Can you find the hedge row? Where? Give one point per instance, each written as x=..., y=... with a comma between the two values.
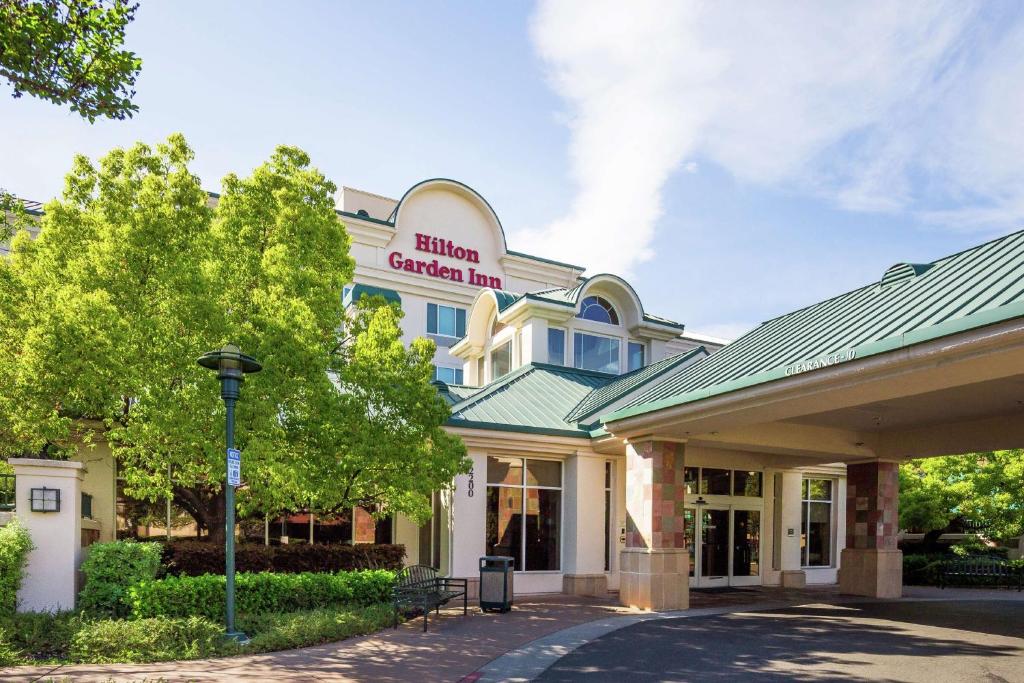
x=193, y=558
x=204, y=596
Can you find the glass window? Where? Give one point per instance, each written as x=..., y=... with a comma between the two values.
x=596, y=353
x=598, y=309
x=543, y=517
x=746, y=557
x=524, y=519
x=544, y=473
x=505, y=471
x=816, y=532
x=448, y=375
x=715, y=482
x=505, y=523
x=746, y=483
x=446, y=321
x=635, y=354
x=501, y=360
x=556, y=346
x=691, y=475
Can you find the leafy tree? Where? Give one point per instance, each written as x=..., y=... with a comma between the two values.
x=386, y=418
x=984, y=488
x=134, y=275
x=69, y=52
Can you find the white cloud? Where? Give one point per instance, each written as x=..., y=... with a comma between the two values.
x=908, y=107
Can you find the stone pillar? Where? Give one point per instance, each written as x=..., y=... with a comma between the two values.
x=51, y=577
x=583, y=561
x=871, y=564
x=655, y=566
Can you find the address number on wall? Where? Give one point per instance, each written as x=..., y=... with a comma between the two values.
x=470, y=484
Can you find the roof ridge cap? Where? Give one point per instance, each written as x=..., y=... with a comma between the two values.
x=676, y=360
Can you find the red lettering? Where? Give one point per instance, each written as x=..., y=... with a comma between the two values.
x=443, y=272
x=456, y=275
x=420, y=265
x=395, y=259
x=432, y=268
x=495, y=283
x=422, y=242
x=409, y=265
x=473, y=256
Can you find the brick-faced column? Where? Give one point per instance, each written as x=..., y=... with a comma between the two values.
x=871, y=564
x=654, y=568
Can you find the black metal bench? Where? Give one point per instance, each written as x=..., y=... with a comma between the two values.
x=420, y=587
x=985, y=570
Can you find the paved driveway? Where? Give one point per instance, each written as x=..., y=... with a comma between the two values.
x=891, y=641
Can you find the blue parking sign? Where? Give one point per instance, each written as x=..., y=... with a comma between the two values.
x=234, y=467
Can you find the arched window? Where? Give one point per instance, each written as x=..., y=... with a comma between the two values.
x=598, y=309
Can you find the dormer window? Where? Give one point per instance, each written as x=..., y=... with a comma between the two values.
x=598, y=309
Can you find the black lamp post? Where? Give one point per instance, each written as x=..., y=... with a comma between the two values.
x=231, y=366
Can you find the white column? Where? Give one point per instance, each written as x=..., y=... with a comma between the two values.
x=584, y=526
x=51, y=577
x=468, y=518
x=792, y=574
x=534, y=341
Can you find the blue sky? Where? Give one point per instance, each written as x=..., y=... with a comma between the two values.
x=733, y=161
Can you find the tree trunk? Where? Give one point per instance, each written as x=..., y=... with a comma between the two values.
x=205, y=507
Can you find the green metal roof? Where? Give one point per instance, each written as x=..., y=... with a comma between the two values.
x=912, y=303
x=505, y=299
x=626, y=384
x=454, y=393
x=534, y=398
x=358, y=291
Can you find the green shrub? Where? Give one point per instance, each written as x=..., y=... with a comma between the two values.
x=36, y=636
x=180, y=596
x=146, y=640
x=301, y=629
x=110, y=569
x=15, y=545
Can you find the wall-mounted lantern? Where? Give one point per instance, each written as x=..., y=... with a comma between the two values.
x=44, y=500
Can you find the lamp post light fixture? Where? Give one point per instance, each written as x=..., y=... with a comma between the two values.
x=231, y=365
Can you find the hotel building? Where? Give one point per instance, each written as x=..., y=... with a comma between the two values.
x=613, y=450
x=530, y=353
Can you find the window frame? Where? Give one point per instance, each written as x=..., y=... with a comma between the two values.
x=629, y=355
x=460, y=320
x=602, y=302
x=576, y=357
x=457, y=375
x=490, y=358
x=565, y=333
x=805, y=529
x=524, y=487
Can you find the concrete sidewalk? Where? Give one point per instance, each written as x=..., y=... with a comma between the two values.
x=454, y=649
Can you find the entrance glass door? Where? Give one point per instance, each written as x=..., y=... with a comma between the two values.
x=725, y=546
x=714, y=547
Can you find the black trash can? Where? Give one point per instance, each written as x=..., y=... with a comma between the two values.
x=496, y=583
